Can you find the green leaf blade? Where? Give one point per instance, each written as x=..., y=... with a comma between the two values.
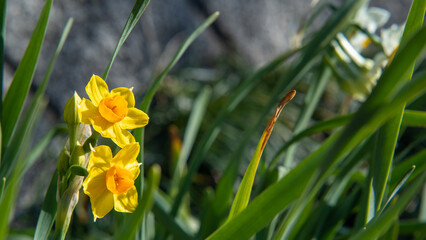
x=48, y=211
x=192, y=128
x=136, y=13
x=18, y=90
x=243, y=194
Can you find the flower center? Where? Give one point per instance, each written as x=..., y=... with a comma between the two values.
x=113, y=109
x=119, y=180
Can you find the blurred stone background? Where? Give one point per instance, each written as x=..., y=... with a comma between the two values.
x=256, y=31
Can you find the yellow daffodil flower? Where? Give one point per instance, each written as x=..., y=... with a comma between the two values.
x=110, y=182
x=111, y=113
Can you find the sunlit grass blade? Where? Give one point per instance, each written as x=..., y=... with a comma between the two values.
x=15, y=143
x=18, y=90
x=413, y=118
x=387, y=135
x=382, y=222
x=243, y=195
x=401, y=169
x=399, y=186
x=48, y=211
x=136, y=13
x=191, y=131
x=132, y=223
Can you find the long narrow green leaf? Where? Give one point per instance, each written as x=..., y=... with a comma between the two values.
x=48, y=211
x=132, y=223
x=399, y=186
x=191, y=132
x=18, y=89
x=21, y=138
x=387, y=136
x=194, y=35
x=382, y=222
x=316, y=128
x=14, y=146
x=413, y=118
x=7, y=202
x=400, y=170
x=243, y=194
x=136, y=13
x=411, y=225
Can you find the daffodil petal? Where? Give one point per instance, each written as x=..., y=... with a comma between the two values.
x=126, y=202
x=94, y=185
x=100, y=158
x=97, y=89
x=122, y=137
x=101, y=199
x=126, y=158
x=103, y=204
x=126, y=94
x=107, y=130
x=90, y=115
x=87, y=111
x=135, y=119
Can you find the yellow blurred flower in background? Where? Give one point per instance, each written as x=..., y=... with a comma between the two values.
x=111, y=113
x=110, y=183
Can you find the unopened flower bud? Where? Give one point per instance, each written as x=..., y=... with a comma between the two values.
x=71, y=113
